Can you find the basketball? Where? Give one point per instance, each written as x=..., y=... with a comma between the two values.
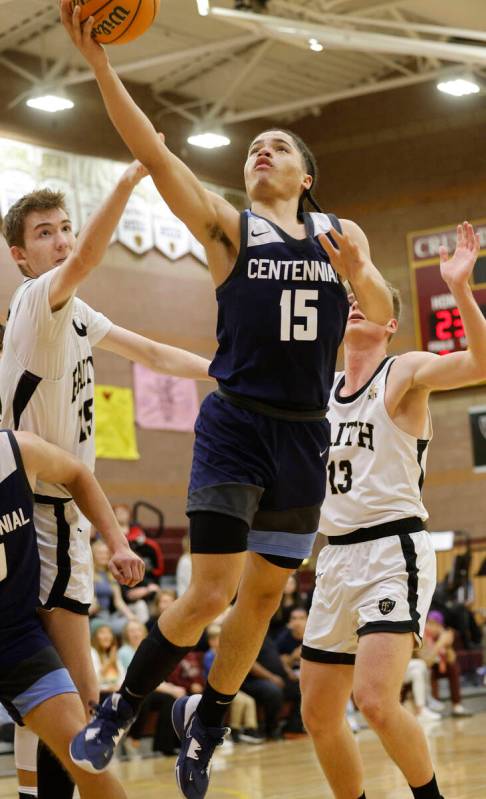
x=119, y=21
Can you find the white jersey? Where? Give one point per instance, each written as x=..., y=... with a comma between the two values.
x=375, y=470
x=46, y=371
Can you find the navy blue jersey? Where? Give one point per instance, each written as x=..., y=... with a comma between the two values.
x=282, y=313
x=19, y=557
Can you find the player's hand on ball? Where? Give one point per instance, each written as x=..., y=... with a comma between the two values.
x=347, y=259
x=457, y=269
x=126, y=567
x=81, y=35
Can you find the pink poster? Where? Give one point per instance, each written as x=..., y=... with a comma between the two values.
x=163, y=402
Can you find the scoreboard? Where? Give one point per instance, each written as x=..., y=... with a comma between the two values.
x=438, y=324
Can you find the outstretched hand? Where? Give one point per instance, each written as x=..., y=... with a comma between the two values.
x=82, y=34
x=347, y=259
x=457, y=269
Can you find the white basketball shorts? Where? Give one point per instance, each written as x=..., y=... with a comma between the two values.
x=372, y=586
x=63, y=535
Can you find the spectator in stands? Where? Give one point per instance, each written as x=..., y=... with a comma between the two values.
x=184, y=567
x=104, y=652
x=161, y=601
x=108, y=605
x=289, y=642
x=268, y=683
x=291, y=598
x=133, y=634
x=189, y=673
x=243, y=712
x=438, y=653
x=159, y=702
x=417, y=676
x=146, y=548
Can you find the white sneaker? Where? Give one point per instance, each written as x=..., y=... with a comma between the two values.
x=435, y=704
x=459, y=711
x=428, y=715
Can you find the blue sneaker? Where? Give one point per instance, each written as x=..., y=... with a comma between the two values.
x=93, y=747
x=198, y=743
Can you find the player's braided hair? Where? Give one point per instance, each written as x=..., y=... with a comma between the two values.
x=311, y=169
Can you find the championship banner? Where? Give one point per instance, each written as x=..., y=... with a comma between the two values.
x=477, y=421
x=86, y=181
x=135, y=229
x=164, y=402
x=438, y=325
x=115, y=424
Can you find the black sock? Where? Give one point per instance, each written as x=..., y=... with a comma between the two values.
x=52, y=778
x=23, y=795
x=152, y=663
x=213, y=706
x=429, y=791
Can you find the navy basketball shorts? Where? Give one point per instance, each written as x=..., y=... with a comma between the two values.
x=30, y=673
x=267, y=472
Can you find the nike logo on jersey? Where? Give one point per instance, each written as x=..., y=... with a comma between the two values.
x=255, y=235
x=81, y=329
x=323, y=452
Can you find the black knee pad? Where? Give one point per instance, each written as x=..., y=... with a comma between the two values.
x=217, y=534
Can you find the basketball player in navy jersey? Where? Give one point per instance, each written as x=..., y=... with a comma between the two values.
x=35, y=687
x=261, y=440
x=376, y=579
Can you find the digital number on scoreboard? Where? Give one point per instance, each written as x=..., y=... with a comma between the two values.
x=438, y=324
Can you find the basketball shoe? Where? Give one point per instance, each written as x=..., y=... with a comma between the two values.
x=198, y=743
x=93, y=748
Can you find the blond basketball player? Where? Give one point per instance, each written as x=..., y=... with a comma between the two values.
x=376, y=578
x=47, y=387
x=35, y=687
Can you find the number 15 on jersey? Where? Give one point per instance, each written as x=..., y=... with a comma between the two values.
x=296, y=304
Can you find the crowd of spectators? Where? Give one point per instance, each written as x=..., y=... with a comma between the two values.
x=268, y=705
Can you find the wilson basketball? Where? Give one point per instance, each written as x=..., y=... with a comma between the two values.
x=119, y=21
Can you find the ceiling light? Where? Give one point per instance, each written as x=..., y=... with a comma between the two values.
x=316, y=46
x=459, y=87
x=209, y=140
x=50, y=102
x=203, y=7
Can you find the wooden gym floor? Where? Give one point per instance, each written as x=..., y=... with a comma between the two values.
x=288, y=770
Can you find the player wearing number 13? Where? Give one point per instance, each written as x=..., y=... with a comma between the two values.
x=261, y=439
x=376, y=578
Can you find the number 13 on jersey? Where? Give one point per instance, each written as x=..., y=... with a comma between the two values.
x=295, y=304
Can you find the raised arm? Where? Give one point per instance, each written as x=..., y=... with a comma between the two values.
x=159, y=357
x=49, y=463
x=94, y=238
x=435, y=372
x=352, y=261
x=185, y=195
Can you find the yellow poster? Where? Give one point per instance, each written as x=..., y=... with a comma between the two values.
x=115, y=423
